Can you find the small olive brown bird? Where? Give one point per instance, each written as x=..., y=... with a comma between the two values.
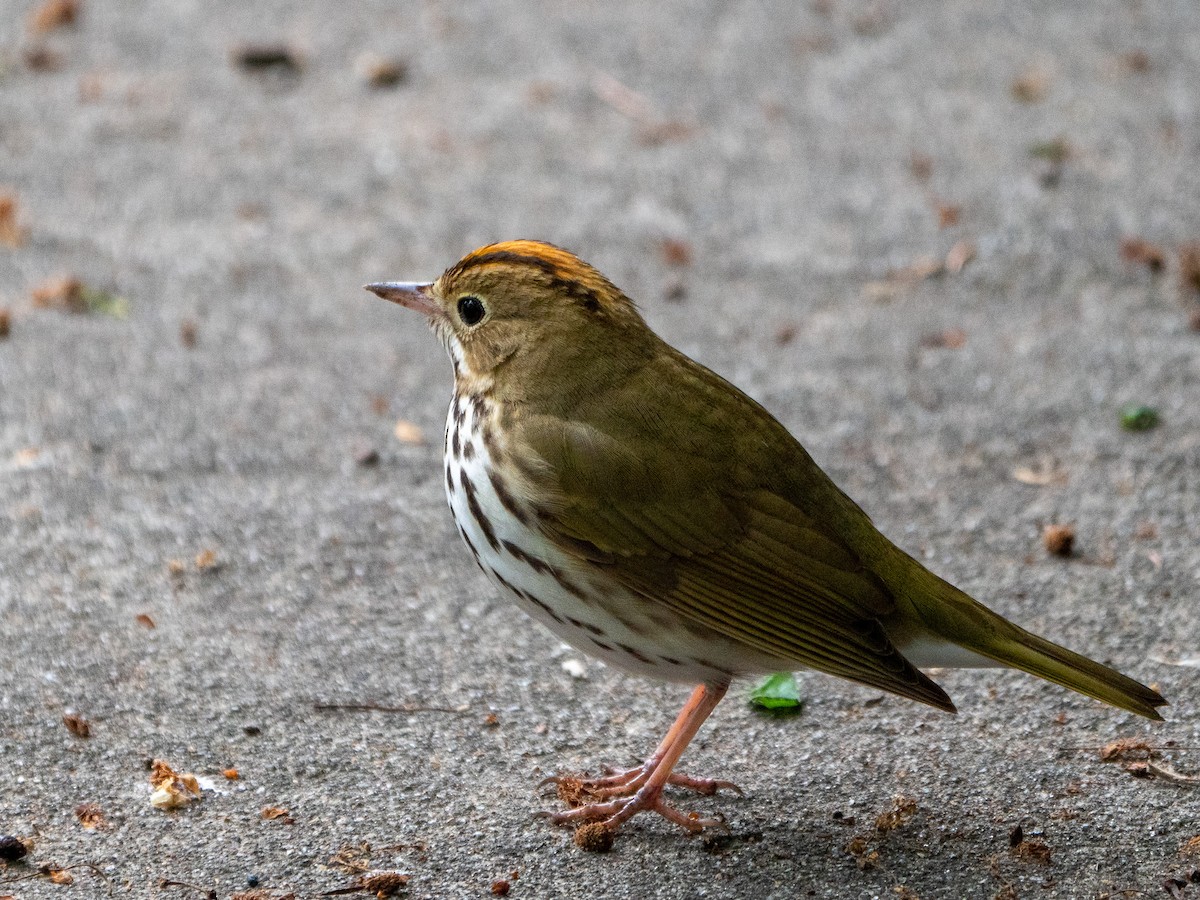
x=651, y=514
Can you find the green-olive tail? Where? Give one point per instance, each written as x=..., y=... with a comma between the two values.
x=932, y=610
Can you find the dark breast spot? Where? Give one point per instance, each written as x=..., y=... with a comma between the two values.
x=506, y=498
x=475, y=553
x=639, y=656
x=495, y=453
x=529, y=559
x=504, y=582
x=586, y=626
x=477, y=513
x=542, y=606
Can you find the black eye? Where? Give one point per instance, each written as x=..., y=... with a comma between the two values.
x=470, y=310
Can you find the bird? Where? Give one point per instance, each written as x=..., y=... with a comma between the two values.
x=651, y=514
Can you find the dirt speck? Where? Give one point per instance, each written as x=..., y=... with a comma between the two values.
x=1189, y=266
x=948, y=214
x=675, y=252
x=382, y=72
x=54, y=14
x=260, y=57
x=90, y=816
x=947, y=338
x=77, y=725
x=1031, y=86
x=1141, y=252
x=11, y=233
x=1136, y=62
x=1059, y=540
x=594, y=837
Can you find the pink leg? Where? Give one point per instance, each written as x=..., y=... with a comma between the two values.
x=639, y=790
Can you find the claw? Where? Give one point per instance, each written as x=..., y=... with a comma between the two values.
x=620, y=794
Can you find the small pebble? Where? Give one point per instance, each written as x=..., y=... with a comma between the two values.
x=12, y=848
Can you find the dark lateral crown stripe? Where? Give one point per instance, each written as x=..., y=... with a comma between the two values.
x=559, y=278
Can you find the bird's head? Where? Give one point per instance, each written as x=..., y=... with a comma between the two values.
x=518, y=305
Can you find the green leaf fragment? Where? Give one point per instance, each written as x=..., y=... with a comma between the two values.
x=1057, y=151
x=1135, y=417
x=105, y=303
x=777, y=692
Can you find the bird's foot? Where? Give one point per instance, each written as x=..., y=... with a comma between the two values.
x=576, y=791
x=605, y=802
x=646, y=798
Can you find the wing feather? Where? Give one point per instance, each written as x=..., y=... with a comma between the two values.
x=721, y=535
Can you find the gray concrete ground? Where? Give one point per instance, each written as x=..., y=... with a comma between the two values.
x=801, y=153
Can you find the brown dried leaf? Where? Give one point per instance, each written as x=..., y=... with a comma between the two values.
x=171, y=789
x=11, y=234
x=949, y=338
x=60, y=876
x=1045, y=473
x=90, y=816
x=384, y=884
x=901, y=280
x=1140, y=252
x=903, y=809
x=270, y=813
x=61, y=292
x=54, y=14
x=1126, y=749
x=352, y=860
x=5, y=322
x=675, y=252
x=206, y=561
x=948, y=215
x=77, y=725
x=1032, y=851
x=1189, y=266
x=145, y=621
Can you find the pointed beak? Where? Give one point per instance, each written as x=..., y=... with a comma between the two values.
x=416, y=295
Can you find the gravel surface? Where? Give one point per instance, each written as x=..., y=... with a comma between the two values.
x=209, y=529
